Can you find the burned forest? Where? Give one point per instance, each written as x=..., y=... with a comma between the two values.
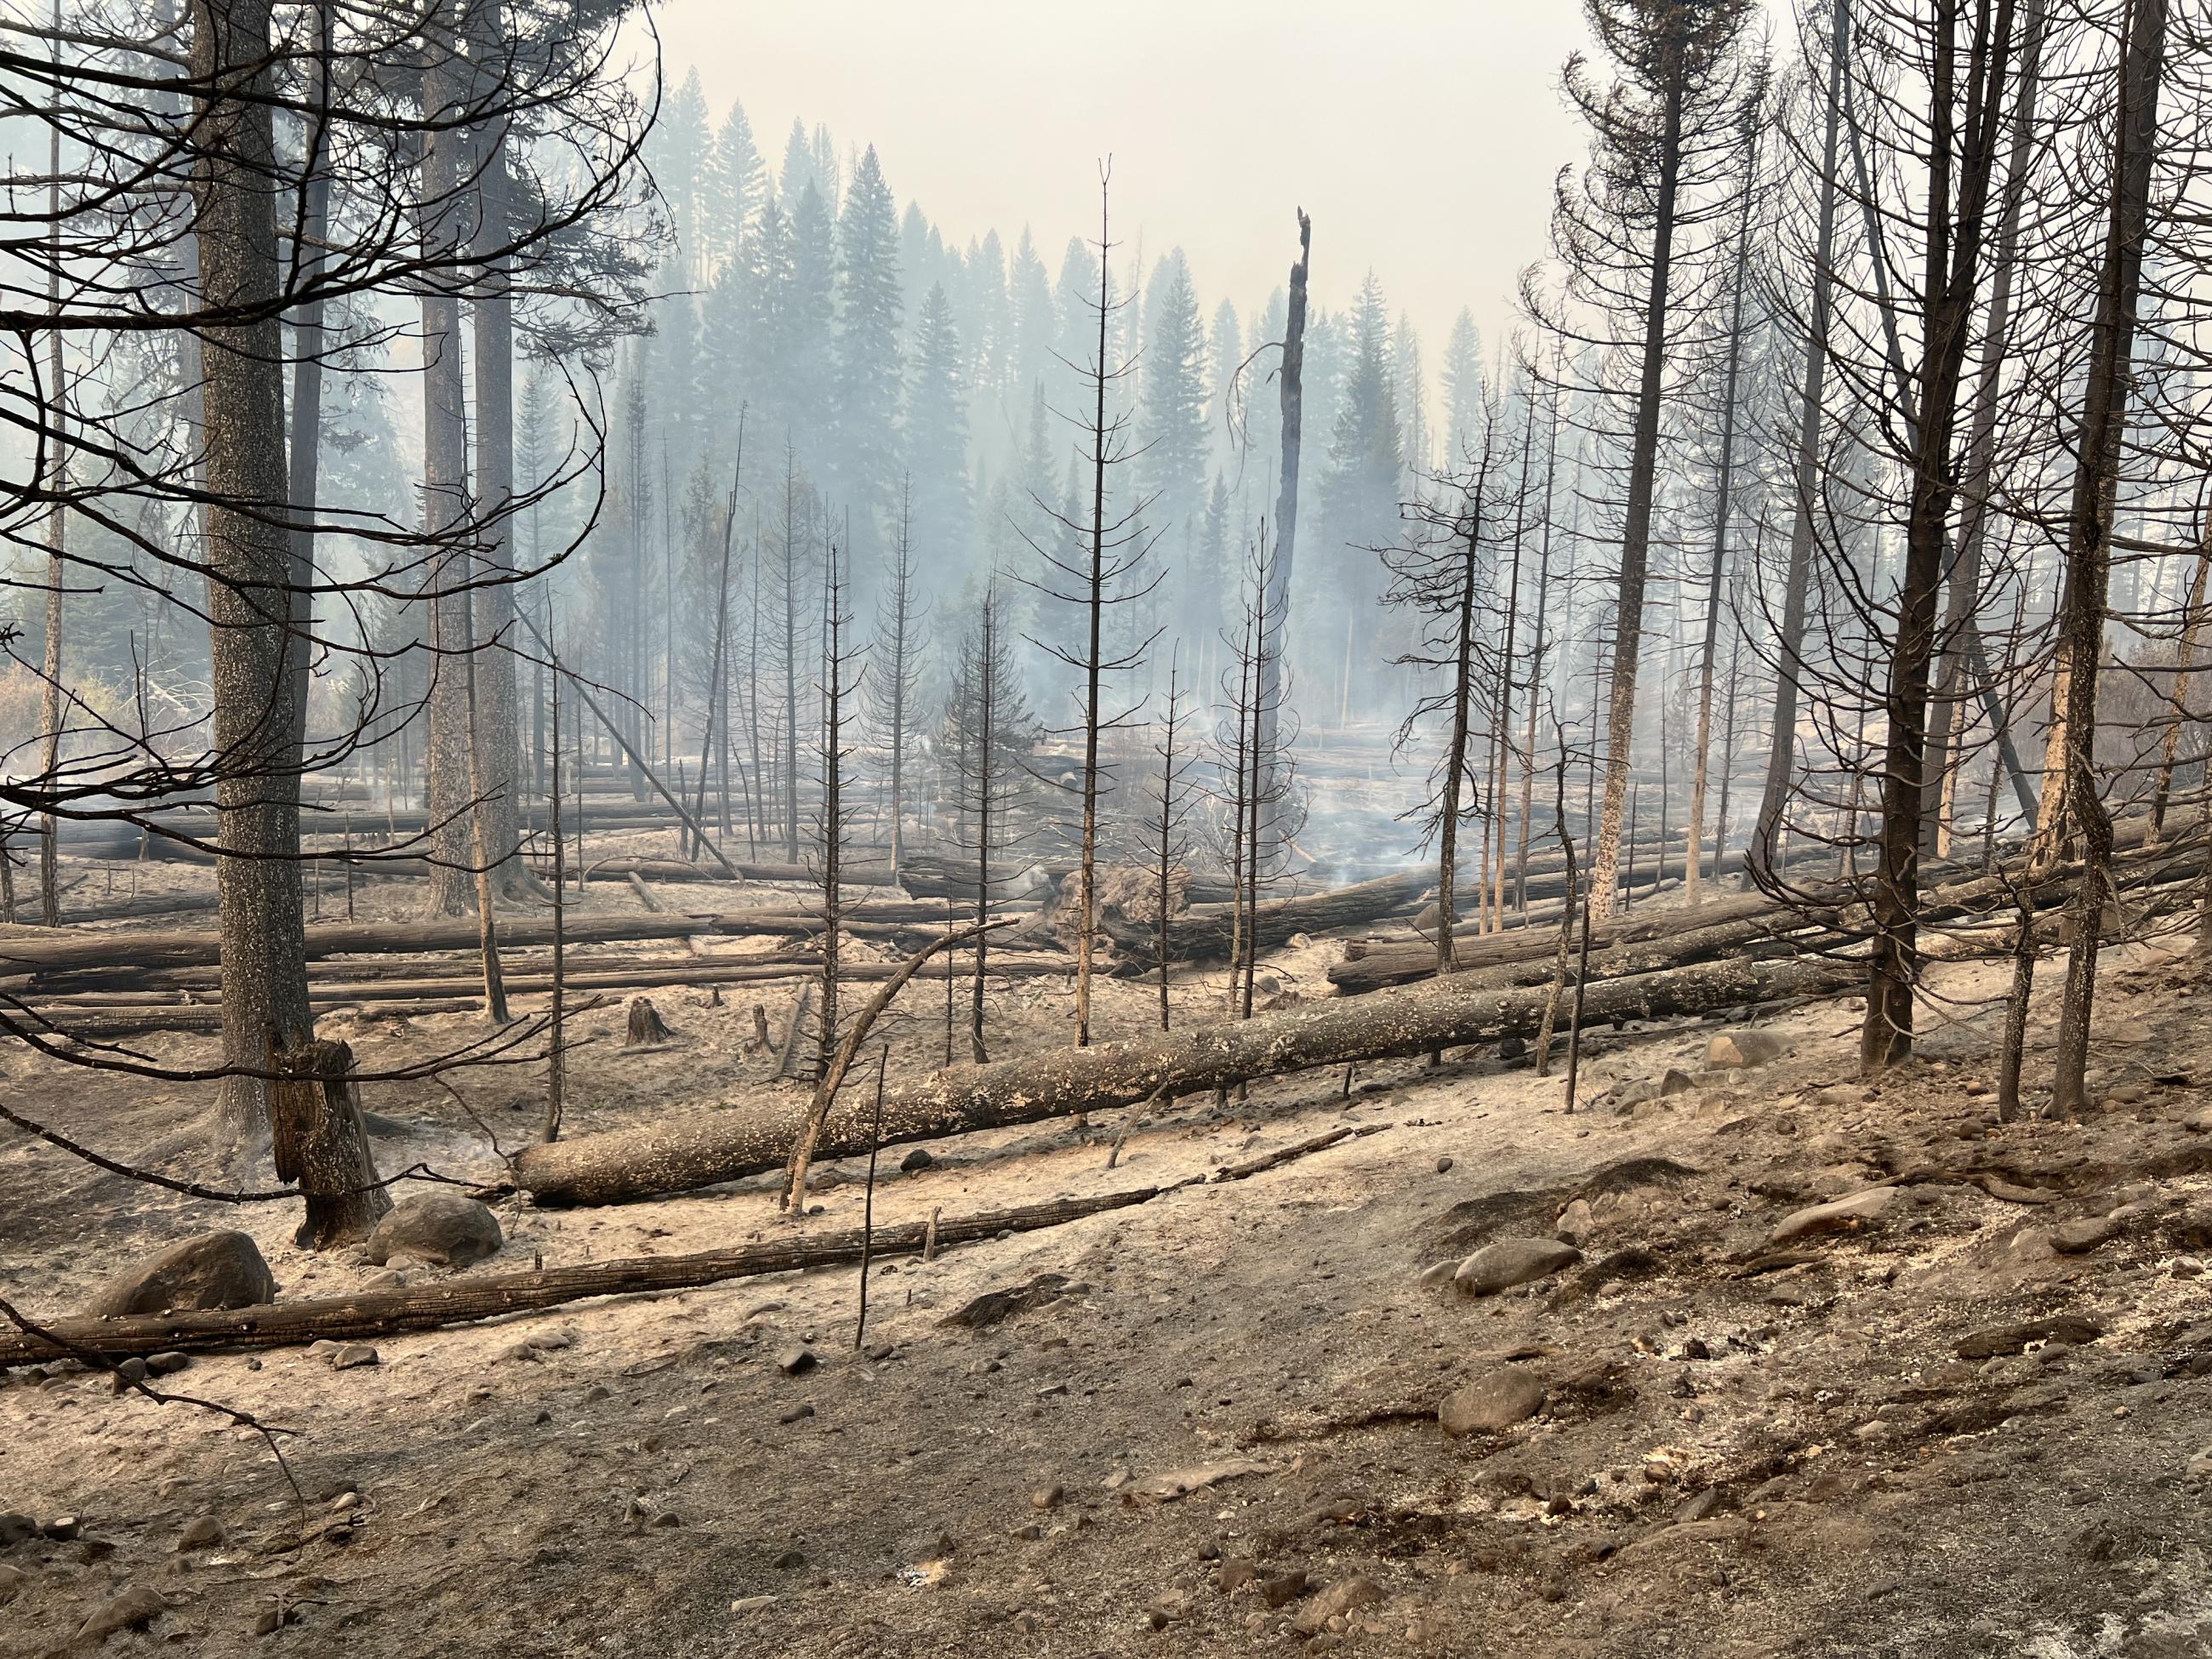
x=1393, y=834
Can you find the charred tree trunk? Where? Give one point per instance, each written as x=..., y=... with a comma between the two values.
x=707, y=1147
x=249, y=556
x=1782, y=752
x=2088, y=554
x=322, y=1147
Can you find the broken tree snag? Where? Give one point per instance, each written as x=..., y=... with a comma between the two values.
x=646, y=1029
x=785, y=1054
x=833, y=1075
x=322, y=1147
x=1200, y=936
x=487, y=1295
x=703, y=1148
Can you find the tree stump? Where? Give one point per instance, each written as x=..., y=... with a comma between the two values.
x=646, y=1028
x=322, y=1147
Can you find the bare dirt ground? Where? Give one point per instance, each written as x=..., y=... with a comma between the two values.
x=1847, y=1447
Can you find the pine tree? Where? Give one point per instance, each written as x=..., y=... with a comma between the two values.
x=734, y=189
x=679, y=153
x=808, y=331
x=1360, y=494
x=798, y=171
x=1172, y=429
x=1033, y=319
x=937, y=439
x=1462, y=382
x=1225, y=352
x=869, y=307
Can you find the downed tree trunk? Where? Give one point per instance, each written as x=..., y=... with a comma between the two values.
x=1201, y=937
x=703, y=1148
x=96, y=954
x=384, y=1313
x=1373, y=965
x=487, y=1296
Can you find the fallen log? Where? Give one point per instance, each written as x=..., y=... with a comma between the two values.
x=1206, y=936
x=699, y=1149
x=1681, y=936
x=45, y=955
x=466, y=1301
x=487, y=1296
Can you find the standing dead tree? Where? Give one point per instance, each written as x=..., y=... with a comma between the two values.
x=2134, y=146
x=991, y=736
x=1665, y=138
x=1107, y=574
x=897, y=679
x=840, y=682
x=1444, y=574
x=1166, y=838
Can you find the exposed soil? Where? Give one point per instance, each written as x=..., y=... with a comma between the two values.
x=1741, y=1451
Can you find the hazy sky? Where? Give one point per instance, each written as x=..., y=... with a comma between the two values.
x=1421, y=134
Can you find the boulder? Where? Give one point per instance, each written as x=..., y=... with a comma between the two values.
x=1833, y=1217
x=1495, y=1401
x=1510, y=1261
x=132, y=1608
x=443, y=1228
x=1734, y=1050
x=221, y=1269
x=2079, y=1237
x=1337, y=1600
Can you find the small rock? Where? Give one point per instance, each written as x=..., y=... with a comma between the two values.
x=167, y=1364
x=2079, y=1237
x=1510, y=1261
x=1493, y=1401
x=1046, y=1497
x=1699, y=1506
x=1511, y=1049
x=1283, y=1588
x=223, y=1269
x=13, y=1581
x=444, y=1228
x=1335, y=1601
x=1734, y=1050
x=15, y=1528
x=1676, y=1082
x=128, y=1371
x=1234, y=1574
x=789, y=1561
x=267, y=1622
x=63, y=1528
x=133, y=1608
x=1833, y=1216
x=796, y=1414
x=353, y=1356
x=1443, y=1166
x=1436, y=1273
x=390, y=1279
x=203, y=1534
x=919, y=1158
x=796, y=1360
x=746, y=1604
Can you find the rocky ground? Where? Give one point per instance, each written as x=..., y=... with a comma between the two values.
x=1964, y=1413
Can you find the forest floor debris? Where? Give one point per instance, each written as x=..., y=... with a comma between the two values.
x=1955, y=1424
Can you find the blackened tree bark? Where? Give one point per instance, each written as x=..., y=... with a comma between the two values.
x=1782, y=753
x=249, y=557
x=1966, y=104
x=445, y=479
x=498, y=730
x=2089, y=521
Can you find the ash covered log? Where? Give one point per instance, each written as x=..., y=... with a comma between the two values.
x=703, y=1148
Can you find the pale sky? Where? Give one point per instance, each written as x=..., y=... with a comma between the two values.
x=1421, y=134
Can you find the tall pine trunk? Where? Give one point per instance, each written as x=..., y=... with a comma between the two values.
x=2089, y=523
x=249, y=556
